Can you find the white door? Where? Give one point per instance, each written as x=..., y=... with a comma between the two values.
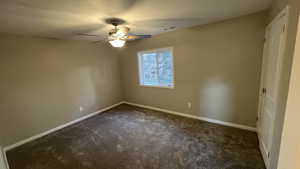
x=271, y=75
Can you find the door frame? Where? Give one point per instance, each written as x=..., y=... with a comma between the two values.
x=289, y=152
x=282, y=15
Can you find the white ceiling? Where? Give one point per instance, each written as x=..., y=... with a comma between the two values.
x=64, y=19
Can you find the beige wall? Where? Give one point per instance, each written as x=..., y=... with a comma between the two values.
x=217, y=69
x=43, y=83
x=277, y=6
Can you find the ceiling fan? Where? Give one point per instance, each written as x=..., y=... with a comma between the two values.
x=118, y=36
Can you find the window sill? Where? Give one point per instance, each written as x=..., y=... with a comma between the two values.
x=156, y=86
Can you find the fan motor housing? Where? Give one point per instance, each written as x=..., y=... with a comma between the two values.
x=115, y=21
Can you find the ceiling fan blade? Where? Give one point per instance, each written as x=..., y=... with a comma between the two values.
x=85, y=34
x=131, y=37
x=167, y=22
x=99, y=41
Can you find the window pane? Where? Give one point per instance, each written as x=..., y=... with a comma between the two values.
x=149, y=69
x=156, y=68
x=165, y=71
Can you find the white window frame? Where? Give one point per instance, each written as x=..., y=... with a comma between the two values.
x=139, y=55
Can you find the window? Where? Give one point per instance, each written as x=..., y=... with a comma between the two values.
x=156, y=68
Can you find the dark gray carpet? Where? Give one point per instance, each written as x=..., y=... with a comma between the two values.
x=128, y=137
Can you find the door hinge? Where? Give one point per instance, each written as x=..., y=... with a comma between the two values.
x=283, y=29
x=264, y=90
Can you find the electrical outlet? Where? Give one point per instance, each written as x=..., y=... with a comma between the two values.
x=189, y=104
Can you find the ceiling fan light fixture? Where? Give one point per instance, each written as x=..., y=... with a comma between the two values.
x=117, y=43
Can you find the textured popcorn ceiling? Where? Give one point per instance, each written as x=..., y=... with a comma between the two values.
x=64, y=19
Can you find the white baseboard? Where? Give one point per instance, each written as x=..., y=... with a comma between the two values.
x=195, y=117
x=7, y=148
